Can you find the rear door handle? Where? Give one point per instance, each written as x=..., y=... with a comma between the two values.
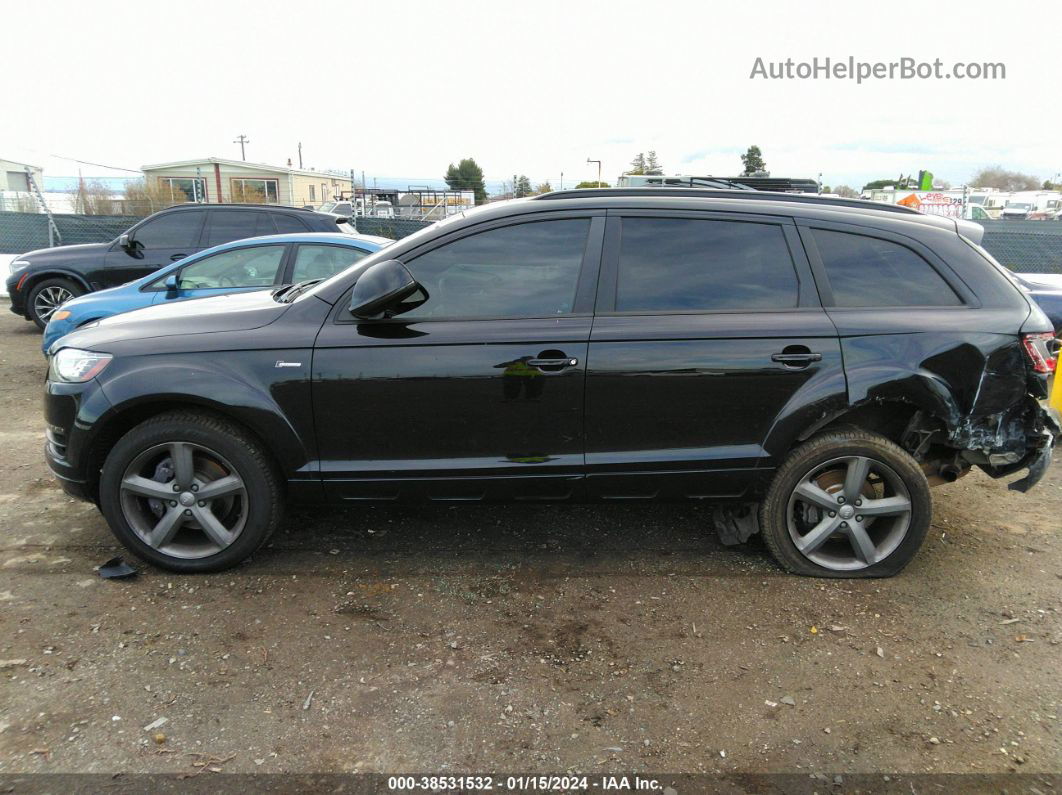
x=176, y=257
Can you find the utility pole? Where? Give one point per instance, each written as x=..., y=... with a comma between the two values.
x=588, y=160
x=241, y=140
x=562, y=181
x=300, y=154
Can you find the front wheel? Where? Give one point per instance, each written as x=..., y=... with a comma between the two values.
x=846, y=504
x=190, y=492
x=48, y=296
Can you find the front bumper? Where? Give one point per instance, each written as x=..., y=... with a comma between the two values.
x=18, y=298
x=72, y=413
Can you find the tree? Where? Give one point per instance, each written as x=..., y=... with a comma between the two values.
x=753, y=162
x=593, y=184
x=467, y=175
x=846, y=192
x=999, y=178
x=543, y=187
x=522, y=186
x=1049, y=185
x=144, y=197
x=638, y=164
x=652, y=165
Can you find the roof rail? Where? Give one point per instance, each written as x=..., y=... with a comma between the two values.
x=711, y=193
x=255, y=205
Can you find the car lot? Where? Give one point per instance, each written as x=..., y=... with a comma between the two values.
x=523, y=638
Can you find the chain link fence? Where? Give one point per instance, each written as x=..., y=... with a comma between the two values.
x=394, y=228
x=21, y=232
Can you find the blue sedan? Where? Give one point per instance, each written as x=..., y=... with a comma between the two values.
x=253, y=264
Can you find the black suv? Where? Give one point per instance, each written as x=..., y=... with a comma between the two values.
x=810, y=366
x=42, y=280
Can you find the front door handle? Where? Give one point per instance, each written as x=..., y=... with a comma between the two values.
x=553, y=362
x=796, y=359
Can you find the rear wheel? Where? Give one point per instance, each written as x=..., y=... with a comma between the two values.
x=846, y=504
x=190, y=492
x=48, y=296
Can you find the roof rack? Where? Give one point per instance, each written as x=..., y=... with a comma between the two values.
x=710, y=193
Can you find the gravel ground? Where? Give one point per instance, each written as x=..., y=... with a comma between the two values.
x=528, y=638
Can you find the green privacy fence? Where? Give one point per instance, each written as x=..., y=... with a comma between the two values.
x=1023, y=246
x=21, y=232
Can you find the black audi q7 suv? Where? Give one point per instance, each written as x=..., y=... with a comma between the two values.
x=41, y=281
x=810, y=366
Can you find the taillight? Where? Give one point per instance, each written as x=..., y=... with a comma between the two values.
x=1042, y=350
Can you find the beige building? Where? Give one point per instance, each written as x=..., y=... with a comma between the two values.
x=226, y=181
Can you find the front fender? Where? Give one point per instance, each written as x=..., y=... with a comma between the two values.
x=245, y=386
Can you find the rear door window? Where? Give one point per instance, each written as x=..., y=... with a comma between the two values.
x=224, y=226
x=287, y=224
x=869, y=271
x=698, y=265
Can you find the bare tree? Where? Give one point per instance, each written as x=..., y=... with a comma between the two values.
x=999, y=178
x=93, y=198
x=846, y=192
x=144, y=197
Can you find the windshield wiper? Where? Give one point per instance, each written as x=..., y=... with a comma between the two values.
x=285, y=295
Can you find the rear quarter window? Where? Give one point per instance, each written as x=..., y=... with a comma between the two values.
x=869, y=271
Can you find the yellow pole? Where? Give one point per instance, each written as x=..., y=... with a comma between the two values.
x=1056, y=392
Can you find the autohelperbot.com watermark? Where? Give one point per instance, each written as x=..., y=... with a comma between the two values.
x=851, y=68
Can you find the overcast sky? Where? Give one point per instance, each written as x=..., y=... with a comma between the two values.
x=400, y=89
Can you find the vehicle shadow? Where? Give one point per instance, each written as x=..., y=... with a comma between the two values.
x=577, y=540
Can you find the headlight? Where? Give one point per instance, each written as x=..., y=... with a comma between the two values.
x=19, y=265
x=76, y=366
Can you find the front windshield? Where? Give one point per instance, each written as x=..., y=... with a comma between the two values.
x=1019, y=206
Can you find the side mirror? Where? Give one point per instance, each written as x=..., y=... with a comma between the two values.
x=124, y=241
x=171, y=284
x=381, y=287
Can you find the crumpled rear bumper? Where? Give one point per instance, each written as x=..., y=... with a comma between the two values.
x=1044, y=438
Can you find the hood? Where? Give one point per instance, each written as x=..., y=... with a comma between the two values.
x=231, y=312
x=66, y=253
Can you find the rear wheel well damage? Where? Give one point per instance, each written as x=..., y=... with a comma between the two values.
x=123, y=422
x=1002, y=443
x=1019, y=437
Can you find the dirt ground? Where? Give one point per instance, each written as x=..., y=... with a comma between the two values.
x=531, y=639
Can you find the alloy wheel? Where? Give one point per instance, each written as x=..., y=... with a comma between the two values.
x=184, y=500
x=49, y=299
x=849, y=513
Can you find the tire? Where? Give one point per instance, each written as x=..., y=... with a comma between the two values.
x=52, y=293
x=795, y=516
x=156, y=509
